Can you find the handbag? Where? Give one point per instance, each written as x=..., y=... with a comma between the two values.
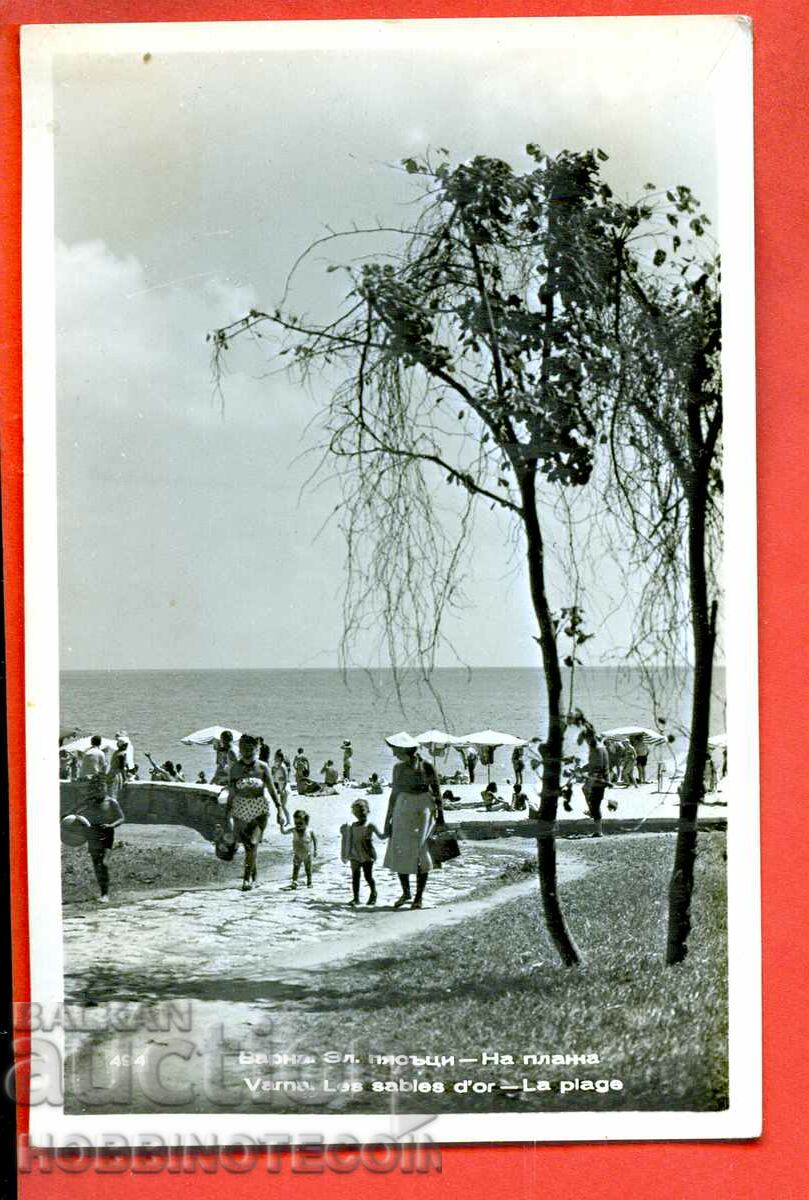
x=442, y=844
x=225, y=842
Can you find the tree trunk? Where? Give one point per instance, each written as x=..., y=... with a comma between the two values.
x=552, y=759
x=703, y=629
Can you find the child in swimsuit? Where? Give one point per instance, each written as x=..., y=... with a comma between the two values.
x=304, y=846
x=360, y=852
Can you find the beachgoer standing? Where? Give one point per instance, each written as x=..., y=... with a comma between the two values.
x=628, y=761
x=471, y=763
x=615, y=757
x=413, y=808
x=66, y=764
x=119, y=766
x=518, y=763
x=104, y=814
x=93, y=769
x=263, y=751
x=225, y=757
x=300, y=765
x=304, y=846
x=250, y=783
x=347, y=756
x=710, y=780
x=361, y=852
x=641, y=745
x=598, y=766
x=280, y=775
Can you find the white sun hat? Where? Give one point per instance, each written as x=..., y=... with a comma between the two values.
x=402, y=741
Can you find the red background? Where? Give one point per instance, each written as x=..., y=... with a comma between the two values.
x=778, y=1163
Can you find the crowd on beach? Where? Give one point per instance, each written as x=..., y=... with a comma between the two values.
x=253, y=787
x=254, y=782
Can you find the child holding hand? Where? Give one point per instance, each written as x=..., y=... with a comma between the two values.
x=304, y=846
x=358, y=850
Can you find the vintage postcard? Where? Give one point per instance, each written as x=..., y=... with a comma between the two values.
x=390, y=582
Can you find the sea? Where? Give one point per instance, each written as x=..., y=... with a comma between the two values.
x=316, y=709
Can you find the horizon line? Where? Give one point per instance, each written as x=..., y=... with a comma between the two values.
x=366, y=670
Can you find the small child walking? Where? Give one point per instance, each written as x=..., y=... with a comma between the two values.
x=358, y=850
x=304, y=845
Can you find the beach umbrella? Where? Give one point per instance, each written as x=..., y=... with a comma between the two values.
x=82, y=745
x=209, y=735
x=628, y=731
x=492, y=739
x=437, y=738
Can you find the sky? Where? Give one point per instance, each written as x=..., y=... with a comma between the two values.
x=188, y=180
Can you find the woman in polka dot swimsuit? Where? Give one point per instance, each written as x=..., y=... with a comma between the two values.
x=249, y=783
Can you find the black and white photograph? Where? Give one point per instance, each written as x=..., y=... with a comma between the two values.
x=390, y=578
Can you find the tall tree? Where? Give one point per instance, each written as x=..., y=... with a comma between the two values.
x=466, y=348
x=665, y=449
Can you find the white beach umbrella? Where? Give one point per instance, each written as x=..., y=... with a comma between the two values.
x=437, y=737
x=209, y=735
x=491, y=739
x=625, y=731
x=82, y=745
x=437, y=740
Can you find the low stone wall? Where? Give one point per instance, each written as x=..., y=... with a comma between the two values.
x=145, y=803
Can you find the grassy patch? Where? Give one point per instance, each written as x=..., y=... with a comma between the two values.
x=492, y=983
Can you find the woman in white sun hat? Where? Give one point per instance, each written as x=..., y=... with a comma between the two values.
x=413, y=808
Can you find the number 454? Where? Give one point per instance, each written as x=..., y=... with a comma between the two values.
x=128, y=1060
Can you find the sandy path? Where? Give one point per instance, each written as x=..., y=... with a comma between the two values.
x=173, y=943
x=238, y=999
